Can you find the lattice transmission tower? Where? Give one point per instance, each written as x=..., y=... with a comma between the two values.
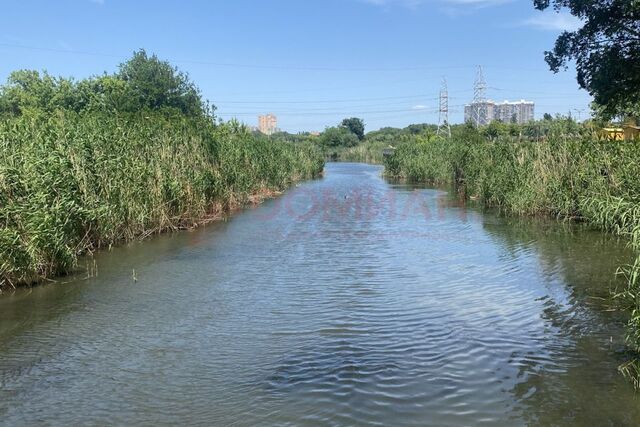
x=479, y=104
x=443, y=119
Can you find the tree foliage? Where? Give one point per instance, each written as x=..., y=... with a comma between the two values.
x=339, y=137
x=144, y=83
x=354, y=125
x=27, y=90
x=606, y=50
x=394, y=136
x=155, y=84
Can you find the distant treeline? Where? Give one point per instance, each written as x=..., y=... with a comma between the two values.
x=341, y=144
x=92, y=163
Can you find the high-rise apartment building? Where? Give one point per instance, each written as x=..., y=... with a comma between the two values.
x=514, y=112
x=480, y=113
x=268, y=124
x=517, y=112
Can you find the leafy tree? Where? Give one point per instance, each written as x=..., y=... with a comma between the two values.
x=394, y=136
x=106, y=93
x=606, y=50
x=155, y=84
x=354, y=125
x=420, y=129
x=495, y=129
x=339, y=137
x=143, y=83
x=26, y=90
x=299, y=138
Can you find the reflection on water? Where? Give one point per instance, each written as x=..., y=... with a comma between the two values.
x=348, y=301
x=579, y=385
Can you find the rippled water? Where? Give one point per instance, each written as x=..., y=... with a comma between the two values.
x=348, y=301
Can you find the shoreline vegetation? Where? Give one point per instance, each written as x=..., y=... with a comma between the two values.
x=88, y=164
x=84, y=166
x=347, y=142
x=570, y=173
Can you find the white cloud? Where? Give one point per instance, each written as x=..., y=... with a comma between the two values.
x=553, y=21
x=419, y=107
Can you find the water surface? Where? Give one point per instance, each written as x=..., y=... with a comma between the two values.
x=348, y=301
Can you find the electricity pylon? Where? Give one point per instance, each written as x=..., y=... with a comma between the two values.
x=443, y=119
x=479, y=104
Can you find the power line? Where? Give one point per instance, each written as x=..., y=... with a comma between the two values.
x=530, y=91
x=242, y=65
x=553, y=95
x=326, y=101
x=266, y=66
x=425, y=97
x=311, y=113
x=333, y=113
x=332, y=108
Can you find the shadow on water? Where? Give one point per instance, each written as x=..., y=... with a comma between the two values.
x=577, y=383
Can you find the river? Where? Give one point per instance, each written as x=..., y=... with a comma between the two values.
x=349, y=300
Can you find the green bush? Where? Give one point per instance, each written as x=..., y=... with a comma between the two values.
x=339, y=137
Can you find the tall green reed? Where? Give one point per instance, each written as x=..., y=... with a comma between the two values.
x=71, y=184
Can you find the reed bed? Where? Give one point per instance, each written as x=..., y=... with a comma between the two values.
x=365, y=152
x=74, y=183
x=579, y=178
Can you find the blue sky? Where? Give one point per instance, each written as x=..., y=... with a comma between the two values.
x=311, y=62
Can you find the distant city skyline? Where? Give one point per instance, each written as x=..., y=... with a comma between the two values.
x=383, y=60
